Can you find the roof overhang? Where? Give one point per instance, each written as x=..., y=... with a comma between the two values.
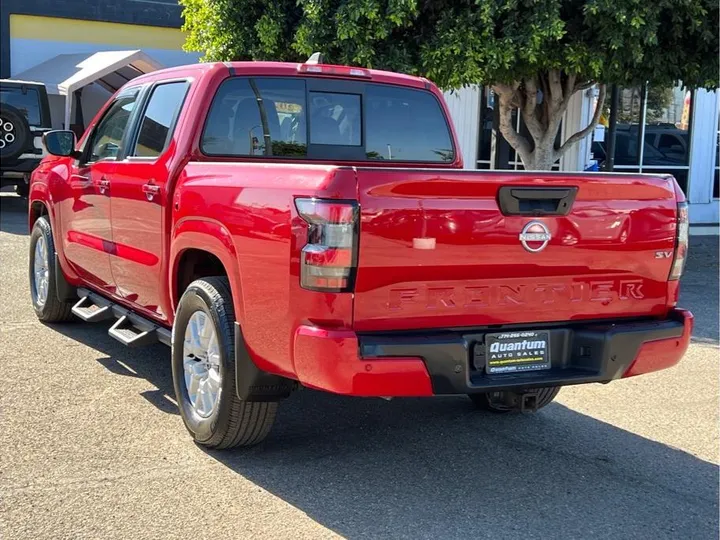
x=66, y=73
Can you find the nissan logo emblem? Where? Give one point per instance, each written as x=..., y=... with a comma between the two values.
x=535, y=236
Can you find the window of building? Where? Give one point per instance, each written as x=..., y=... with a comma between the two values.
x=160, y=115
x=653, y=131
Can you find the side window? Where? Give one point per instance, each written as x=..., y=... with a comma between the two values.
x=159, y=118
x=670, y=143
x=26, y=100
x=106, y=139
x=257, y=117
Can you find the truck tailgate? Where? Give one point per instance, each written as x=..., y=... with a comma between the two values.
x=436, y=250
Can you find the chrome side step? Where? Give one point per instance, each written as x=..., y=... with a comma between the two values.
x=91, y=310
x=127, y=332
x=130, y=329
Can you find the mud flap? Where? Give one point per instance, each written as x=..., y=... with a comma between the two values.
x=64, y=291
x=253, y=384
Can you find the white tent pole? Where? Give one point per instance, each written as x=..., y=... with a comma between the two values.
x=69, y=98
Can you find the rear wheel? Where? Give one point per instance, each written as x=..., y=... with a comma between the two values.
x=43, y=291
x=203, y=367
x=505, y=402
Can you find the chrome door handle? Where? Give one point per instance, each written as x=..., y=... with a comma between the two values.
x=103, y=185
x=150, y=190
x=79, y=181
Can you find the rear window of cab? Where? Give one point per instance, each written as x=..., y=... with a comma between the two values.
x=287, y=118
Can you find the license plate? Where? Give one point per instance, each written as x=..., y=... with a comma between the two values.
x=512, y=352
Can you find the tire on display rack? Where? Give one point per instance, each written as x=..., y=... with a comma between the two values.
x=15, y=133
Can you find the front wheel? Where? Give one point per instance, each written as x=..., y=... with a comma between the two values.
x=505, y=402
x=203, y=368
x=43, y=287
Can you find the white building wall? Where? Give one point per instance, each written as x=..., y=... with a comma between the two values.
x=577, y=116
x=703, y=153
x=464, y=111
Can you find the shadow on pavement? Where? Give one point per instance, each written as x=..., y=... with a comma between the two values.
x=439, y=469
x=149, y=363
x=436, y=468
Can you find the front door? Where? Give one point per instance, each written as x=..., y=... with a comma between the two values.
x=87, y=234
x=140, y=203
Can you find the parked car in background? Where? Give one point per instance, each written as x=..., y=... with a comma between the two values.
x=24, y=118
x=284, y=225
x=665, y=145
x=672, y=142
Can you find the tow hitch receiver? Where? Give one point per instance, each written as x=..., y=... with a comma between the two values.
x=528, y=401
x=524, y=401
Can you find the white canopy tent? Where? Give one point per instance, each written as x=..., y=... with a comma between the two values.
x=64, y=74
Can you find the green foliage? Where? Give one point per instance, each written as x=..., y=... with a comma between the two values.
x=456, y=43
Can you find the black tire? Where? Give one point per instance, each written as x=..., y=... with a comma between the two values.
x=497, y=402
x=20, y=132
x=233, y=422
x=52, y=310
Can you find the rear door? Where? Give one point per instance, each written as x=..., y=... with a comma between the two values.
x=443, y=249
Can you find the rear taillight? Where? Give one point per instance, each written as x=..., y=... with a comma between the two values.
x=329, y=259
x=681, y=243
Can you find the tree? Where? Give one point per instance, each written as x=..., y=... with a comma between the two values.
x=534, y=53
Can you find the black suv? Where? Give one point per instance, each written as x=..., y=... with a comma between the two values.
x=24, y=117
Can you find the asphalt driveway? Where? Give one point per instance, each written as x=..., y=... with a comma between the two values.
x=93, y=447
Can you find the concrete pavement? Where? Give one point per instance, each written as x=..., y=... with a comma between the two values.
x=93, y=447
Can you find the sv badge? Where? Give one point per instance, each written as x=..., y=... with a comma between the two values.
x=663, y=254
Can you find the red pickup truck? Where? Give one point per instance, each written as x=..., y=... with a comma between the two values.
x=283, y=225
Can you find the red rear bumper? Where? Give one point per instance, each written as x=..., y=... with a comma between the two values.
x=329, y=360
x=661, y=354
x=426, y=364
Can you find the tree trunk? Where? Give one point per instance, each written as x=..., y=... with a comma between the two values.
x=542, y=157
x=542, y=101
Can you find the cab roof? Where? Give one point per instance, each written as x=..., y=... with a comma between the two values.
x=286, y=69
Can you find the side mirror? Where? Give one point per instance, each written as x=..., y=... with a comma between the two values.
x=60, y=143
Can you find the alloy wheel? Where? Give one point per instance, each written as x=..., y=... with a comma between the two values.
x=201, y=363
x=41, y=272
